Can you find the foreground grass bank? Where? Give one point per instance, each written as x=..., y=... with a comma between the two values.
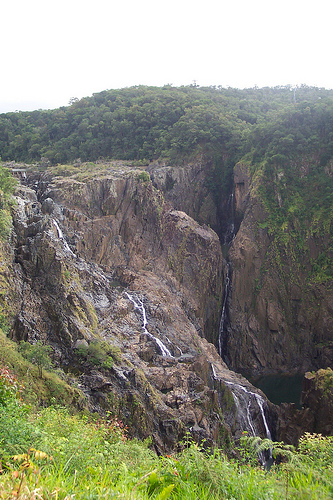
x=52, y=454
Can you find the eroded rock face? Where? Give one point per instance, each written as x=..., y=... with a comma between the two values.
x=103, y=258
x=279, y=321
x=317, y=397
x=316, y=415
x=186, y=188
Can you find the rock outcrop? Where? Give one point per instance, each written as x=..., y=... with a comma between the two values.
x=317, y=397
x=126, y=290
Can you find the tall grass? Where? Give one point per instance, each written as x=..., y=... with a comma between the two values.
x=94, y=459
x=53, y=454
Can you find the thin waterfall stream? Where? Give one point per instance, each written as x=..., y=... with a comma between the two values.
x=139, y=305
x=226, y=240
x=222, y=334
x=61, y=237
x=229, y=234
x=245, y=400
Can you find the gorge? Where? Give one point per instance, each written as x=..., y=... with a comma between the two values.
x=105, y=255
x=163, y=284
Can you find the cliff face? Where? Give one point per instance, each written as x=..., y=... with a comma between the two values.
x=125, y=288
x=317, y=398
x=186, y=189
x=280, y=319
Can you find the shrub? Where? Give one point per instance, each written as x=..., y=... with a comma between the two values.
x=9, y=386
x=144, y=176
x=38, y=354
x=99, y=353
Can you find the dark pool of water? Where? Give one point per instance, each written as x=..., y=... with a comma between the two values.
x=281, y=388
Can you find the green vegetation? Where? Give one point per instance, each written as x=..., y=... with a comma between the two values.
x=291, y=161
x=38, y=354
x=53, y=454
x=52, y=388
x=49, y=452
x=7, y=185
x=99, y=353
x=144, y=176
x=144, y=123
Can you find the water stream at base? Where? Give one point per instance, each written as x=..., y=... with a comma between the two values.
x=139, y=305
x=245, y=400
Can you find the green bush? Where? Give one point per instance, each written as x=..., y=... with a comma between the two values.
x=9, y=386
x=38, y=354
x=99, y=353
x=144, y=176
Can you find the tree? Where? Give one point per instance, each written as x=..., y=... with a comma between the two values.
x=38, y=354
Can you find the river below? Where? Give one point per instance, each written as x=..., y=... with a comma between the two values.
x=280, y=388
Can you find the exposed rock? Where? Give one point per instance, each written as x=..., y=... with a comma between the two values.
x=108, y=260
x=317, y=397
x=292, y=423
x=279, y=321
x=186, y=188
x=48, y=206
x=242, y=182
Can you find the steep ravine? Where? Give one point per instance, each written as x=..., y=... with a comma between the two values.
x=101, y=256
x=273, y=320
x=280, y=320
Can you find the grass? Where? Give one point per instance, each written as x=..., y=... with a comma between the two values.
x=51, y=453
x=48, y=389
x=87, y=459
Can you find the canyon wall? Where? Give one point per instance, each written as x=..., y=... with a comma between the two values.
x=126, y=289
x=281, y=321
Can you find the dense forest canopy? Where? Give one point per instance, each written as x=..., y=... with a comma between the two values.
x=274, y=125
x=144, y=123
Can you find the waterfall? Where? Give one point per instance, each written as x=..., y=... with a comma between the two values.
x=213, y=371
x=139, y=305
x=244, y=400
x=260, y=402
x=230, y=230
x=61, y=237
x=248, y=398
x=222, y=335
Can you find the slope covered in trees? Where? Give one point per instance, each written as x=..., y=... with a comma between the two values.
x=147, y=122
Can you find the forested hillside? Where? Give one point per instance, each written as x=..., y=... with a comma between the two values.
x=146, y=123
x=149, y=122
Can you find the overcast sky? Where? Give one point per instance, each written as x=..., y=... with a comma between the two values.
x=53, y=51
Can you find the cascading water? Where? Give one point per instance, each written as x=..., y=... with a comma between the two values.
x=222, y=335
x=139, y=305
x=246, y=400
x=226, y=240
x=61, y=237
x=229, y=234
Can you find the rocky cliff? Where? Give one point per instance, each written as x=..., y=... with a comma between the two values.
x=280, y=316
x=317, y=398
x=126, y=289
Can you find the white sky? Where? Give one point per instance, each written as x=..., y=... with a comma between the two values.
x=52, y=51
